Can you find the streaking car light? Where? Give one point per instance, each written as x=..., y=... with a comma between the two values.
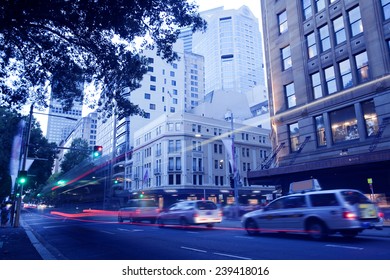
x=349, y=215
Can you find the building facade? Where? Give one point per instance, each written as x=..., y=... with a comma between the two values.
x=328, y=65
x=183, y=156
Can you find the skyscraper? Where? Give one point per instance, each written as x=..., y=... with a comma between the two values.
x=232, y=50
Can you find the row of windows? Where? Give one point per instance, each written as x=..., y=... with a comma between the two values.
x=343, y=125
x=332, y=79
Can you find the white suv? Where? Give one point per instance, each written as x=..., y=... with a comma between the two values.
x=317, y=213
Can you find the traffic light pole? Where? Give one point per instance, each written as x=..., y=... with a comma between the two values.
x=25, y=150
x=235, y=183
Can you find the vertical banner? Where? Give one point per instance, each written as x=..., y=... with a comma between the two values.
x=16, y=154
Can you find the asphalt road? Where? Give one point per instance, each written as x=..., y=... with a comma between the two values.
x=94, y=239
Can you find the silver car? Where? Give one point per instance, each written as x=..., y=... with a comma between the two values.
x=139, y=210
x=191, y=212
x=317, y=213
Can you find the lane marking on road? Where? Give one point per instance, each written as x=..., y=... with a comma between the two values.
x=193, y=249
x=344, y=247
x=47, y=227
x=108, y=232
x=243, y=237
x=194, y=232
x=232, y=256
x=131, y=230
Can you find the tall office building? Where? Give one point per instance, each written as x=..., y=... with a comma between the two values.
x=232, y=49
x=328, y=65
x=60, y=123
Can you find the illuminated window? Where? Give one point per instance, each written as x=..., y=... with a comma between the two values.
x=320, y=131
x=370, y=117
x=362, y=67
x=294, y=136
x=311, y=45
x=344, y=125
x=355, y=21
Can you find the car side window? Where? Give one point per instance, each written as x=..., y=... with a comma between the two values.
x=326, y=199
x=276, y=204
x=294, y=202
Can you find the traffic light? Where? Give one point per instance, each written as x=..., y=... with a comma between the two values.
x=141, y=195
x=97, y=151
x=22, y=177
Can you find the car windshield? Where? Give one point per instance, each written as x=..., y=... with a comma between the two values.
x=353, y=197
x=206, y=205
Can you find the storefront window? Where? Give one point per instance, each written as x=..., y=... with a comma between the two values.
x=344, y=125
x=294, y=136
x=370, y=117
x=320, y=129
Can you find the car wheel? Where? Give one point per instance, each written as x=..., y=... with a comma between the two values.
x=251, y=227
x=120, y=219
x=210, y=225
x=317, y=230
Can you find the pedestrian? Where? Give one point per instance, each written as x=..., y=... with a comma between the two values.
x=4, y=215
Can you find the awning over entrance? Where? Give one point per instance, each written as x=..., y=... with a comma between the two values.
x=348, y=171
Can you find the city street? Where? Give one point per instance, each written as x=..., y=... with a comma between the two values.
x=92, y=238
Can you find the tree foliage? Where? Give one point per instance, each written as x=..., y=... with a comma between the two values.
x=39, y=148
x=58, y=45
x=79, y=152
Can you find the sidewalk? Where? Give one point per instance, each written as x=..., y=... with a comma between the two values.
x=21, y=244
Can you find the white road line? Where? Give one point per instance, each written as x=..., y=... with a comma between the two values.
x=243, y=237
x=232, y=256
x=108, y=232
x=130, y=230
x=344, y=247
x=194, y=232
x=47, y=227
x=193, y=249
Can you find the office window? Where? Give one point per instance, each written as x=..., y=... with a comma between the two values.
x=152, y=106
x=320, y=5
x=289, y=92
x=172, y=73
x=282, y=20
x=294, y=136
x=324, y=37
x=147, y=96
x=286, y=57
x=307, y=12
x=178, y=163
x=311, y=45
x=386, y=9
x=344, y=125
x=316, y=85
x=152, y=87
x=346, y=75
x=320, y=131
x=330, y=80
x=170, y=146
x=370, y=117
x=339, y=30
x=153, y=78
x=362, y=67
x=355, y=21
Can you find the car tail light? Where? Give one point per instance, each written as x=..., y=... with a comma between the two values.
x=158, y=211
x=381, y=215
x=220, y=214
x=138, y=211
x=349, y=215
x=195, y=215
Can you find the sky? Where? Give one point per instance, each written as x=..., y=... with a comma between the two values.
x=254, y=6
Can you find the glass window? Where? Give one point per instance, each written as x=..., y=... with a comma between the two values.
x=386, y=9
x=355, y=21
x=316, y=84
x=178, y=163
x=344, y=125
x=325, y=199
x=282, y=20
x=290, y=95
x=370, y=117
x=286, y=57
x=320, y=5
x=294, y=136
x=307, y=12
x=320, y=131
x=339, y=30
x=324, y=37
x=170, y=163
x=170, y=146
x=311, y=45
x=362, y=66
x=345, y=72
x=330, y=80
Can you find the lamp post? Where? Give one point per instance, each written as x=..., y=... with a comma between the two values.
x=234, y=168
